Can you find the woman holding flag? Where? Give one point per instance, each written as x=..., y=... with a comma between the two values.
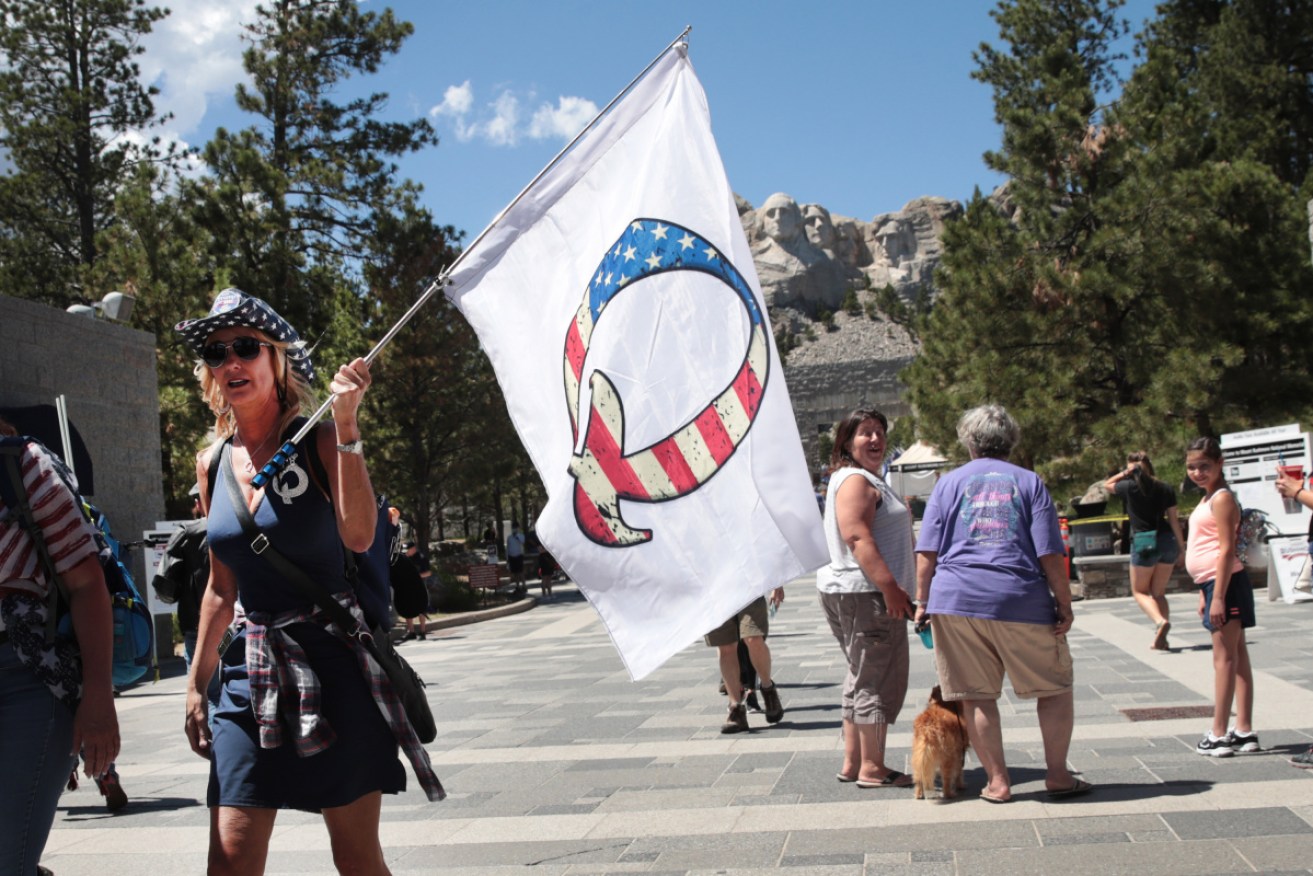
x=306, y=719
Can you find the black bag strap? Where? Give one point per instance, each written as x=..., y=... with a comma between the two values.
x=212, y=472
x=23, y=509
x=262, y=547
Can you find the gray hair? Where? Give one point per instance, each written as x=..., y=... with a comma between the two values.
x=988, y=430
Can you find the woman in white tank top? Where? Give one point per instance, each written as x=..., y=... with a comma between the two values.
x=866, y=594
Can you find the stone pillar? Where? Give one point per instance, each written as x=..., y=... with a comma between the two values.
x=107, y=373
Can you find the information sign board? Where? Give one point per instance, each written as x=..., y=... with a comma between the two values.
x=1251, y=460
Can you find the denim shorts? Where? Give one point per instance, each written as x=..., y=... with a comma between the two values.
x=1165, y=552
x=1239, y=600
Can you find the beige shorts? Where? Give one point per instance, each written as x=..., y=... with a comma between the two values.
x=972, y=654
x=752, y=621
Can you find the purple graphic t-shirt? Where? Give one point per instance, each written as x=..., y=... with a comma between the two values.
x=990, y=521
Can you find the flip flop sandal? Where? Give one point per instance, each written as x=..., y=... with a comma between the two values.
x=894, y=779
x=1080, y=787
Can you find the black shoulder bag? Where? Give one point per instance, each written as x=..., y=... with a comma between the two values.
x=406, y=683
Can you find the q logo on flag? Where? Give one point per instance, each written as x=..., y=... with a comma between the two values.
x=604, y=472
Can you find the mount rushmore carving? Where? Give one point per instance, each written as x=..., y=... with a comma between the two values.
x=808, y=259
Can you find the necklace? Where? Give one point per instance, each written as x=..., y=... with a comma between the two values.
x=251, y=453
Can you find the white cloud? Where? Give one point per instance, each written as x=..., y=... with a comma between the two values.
x=194, y=55
x=499, y=122
x=456, y=101
x=500, y=130
x=564, y=120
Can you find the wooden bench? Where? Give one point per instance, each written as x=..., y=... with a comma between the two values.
x=485, y=578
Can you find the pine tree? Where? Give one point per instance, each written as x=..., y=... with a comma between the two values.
x=1143, y=277
x=69, y=93
x=1028, y=316
x=1222, y=114
x=295, y=198
x=155, y=251
x=422, y=400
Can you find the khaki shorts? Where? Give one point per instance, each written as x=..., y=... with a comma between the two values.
x=972, y=654
x=752, y=621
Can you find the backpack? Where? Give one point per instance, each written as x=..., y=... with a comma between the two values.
x=134, y=629
x=1253, y=526
x=184, y=571
x=368, y=571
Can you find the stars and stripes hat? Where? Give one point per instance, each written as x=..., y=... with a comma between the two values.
x=233, y=307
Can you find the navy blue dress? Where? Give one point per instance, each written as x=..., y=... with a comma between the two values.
x=300, y=522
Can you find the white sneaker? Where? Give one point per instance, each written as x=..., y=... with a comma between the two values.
x=1243, y=742
x=1210, y=746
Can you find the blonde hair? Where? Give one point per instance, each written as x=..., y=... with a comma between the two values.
x=294, y=393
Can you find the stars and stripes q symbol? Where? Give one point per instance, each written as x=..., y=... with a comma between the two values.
x=604, y=471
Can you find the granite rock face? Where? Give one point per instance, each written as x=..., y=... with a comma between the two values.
x=808, y=259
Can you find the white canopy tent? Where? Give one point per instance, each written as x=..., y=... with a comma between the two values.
x=915, y=470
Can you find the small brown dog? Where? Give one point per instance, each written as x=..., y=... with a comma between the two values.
x=939, y=744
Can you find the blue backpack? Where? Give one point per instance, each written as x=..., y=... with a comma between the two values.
x=134, y=629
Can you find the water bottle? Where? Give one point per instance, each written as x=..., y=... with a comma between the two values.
x=923, y=630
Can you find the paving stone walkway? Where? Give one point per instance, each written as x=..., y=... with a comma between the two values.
x=554, y=759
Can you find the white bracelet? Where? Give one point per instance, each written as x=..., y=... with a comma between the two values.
x=357, y=447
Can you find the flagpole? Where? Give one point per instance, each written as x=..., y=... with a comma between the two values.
x=288, y=450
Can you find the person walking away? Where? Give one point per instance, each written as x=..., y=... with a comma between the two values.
x=991, y=577
x=1157, y=545
x=515, y=559
x=425, y=569
x=53, y=705
x=866, y=594
x=749, y=626
x=1226, y=600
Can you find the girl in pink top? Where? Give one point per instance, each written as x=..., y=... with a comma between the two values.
x=1226, y=600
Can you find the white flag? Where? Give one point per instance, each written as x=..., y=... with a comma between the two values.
x=620, y=308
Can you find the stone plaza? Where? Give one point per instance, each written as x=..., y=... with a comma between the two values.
x=553, y=759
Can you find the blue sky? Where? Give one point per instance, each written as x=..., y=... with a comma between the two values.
x=858, y=106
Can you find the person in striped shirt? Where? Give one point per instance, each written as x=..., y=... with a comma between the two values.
x=52, y=705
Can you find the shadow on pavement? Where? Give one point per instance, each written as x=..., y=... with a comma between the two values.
x=136, y=806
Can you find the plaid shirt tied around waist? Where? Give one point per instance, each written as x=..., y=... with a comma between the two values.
x=285, y=691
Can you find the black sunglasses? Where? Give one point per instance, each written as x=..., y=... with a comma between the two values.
x=216, y=353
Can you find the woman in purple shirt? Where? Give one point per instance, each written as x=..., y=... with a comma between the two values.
x=990, y=574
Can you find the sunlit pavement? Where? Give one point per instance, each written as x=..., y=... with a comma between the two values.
x=553, y=758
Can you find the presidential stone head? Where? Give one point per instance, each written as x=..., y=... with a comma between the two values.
x=820, y=229
x=781, y=219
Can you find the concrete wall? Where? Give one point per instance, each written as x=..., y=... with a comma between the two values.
x=824, y=394
x=107, y=374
